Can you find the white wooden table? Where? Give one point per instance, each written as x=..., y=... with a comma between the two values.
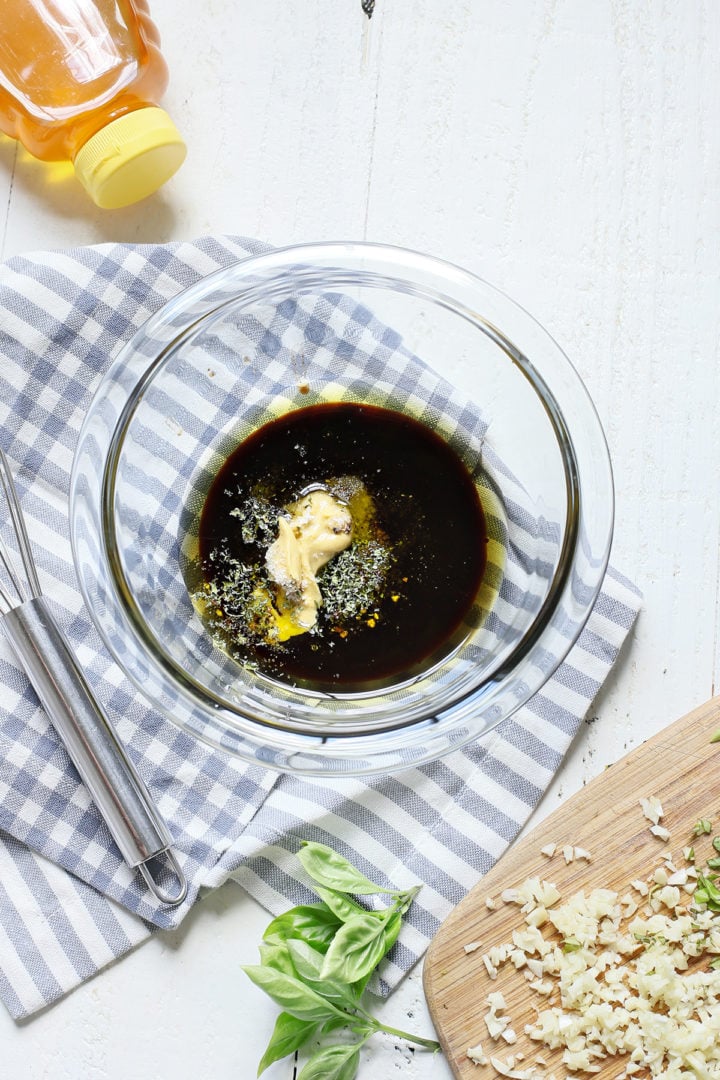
x=569, y=152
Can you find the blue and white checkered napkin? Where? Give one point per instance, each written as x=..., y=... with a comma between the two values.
x=68, y=905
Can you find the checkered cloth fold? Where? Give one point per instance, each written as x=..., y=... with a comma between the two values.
x=68, y=905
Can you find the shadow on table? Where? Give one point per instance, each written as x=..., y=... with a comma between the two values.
x=52, y=186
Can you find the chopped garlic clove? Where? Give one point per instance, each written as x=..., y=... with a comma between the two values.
x=504, y=1068
x=489, y=966
x=477, y=1054
x=495, y=1024
x=496, y=1001
x=652, y=809
x=536, y=917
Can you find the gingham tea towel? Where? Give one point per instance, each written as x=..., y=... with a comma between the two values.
x=68, y=905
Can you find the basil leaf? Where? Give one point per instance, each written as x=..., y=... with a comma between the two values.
x=332, y=871
x=289, y=1034
x=291, y=994
x=333, y=1063
x=314, y=923
x=392, y=930
x=278, y=957
x=357, y=948
x=307, y=961
x=308, y=964
x=341, y=905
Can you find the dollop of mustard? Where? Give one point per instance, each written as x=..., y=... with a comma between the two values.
x=315, y=528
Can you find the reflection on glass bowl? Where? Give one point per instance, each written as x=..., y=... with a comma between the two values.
x=360, y=324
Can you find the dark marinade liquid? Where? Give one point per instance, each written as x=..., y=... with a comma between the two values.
x=427, y=507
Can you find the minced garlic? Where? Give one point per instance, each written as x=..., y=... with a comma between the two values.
x=613, y=977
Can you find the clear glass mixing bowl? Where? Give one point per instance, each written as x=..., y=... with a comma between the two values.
x=330, y=322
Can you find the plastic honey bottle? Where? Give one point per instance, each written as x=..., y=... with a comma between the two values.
x=80, y=81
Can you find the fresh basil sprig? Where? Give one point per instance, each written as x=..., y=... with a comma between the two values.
x=316, y=961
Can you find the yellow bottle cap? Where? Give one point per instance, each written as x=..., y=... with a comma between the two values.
x=130, y=158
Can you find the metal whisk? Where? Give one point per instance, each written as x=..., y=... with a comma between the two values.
x=99, y=757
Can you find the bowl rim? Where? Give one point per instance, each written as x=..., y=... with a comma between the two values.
x=353, y=738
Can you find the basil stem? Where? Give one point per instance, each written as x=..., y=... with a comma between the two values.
x=429, y=1044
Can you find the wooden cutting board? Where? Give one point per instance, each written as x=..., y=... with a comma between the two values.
x=682, y=768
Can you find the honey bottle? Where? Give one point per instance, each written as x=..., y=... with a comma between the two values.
x=80, y=81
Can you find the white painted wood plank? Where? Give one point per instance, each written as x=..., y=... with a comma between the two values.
x=569, y=152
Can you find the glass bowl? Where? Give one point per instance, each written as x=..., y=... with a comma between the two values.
x=367, y=324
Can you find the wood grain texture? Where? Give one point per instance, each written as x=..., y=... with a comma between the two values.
x=680, y=766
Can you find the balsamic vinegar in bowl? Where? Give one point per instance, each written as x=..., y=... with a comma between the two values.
x=397, y=599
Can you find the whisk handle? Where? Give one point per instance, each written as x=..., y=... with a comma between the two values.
x=99, y=757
